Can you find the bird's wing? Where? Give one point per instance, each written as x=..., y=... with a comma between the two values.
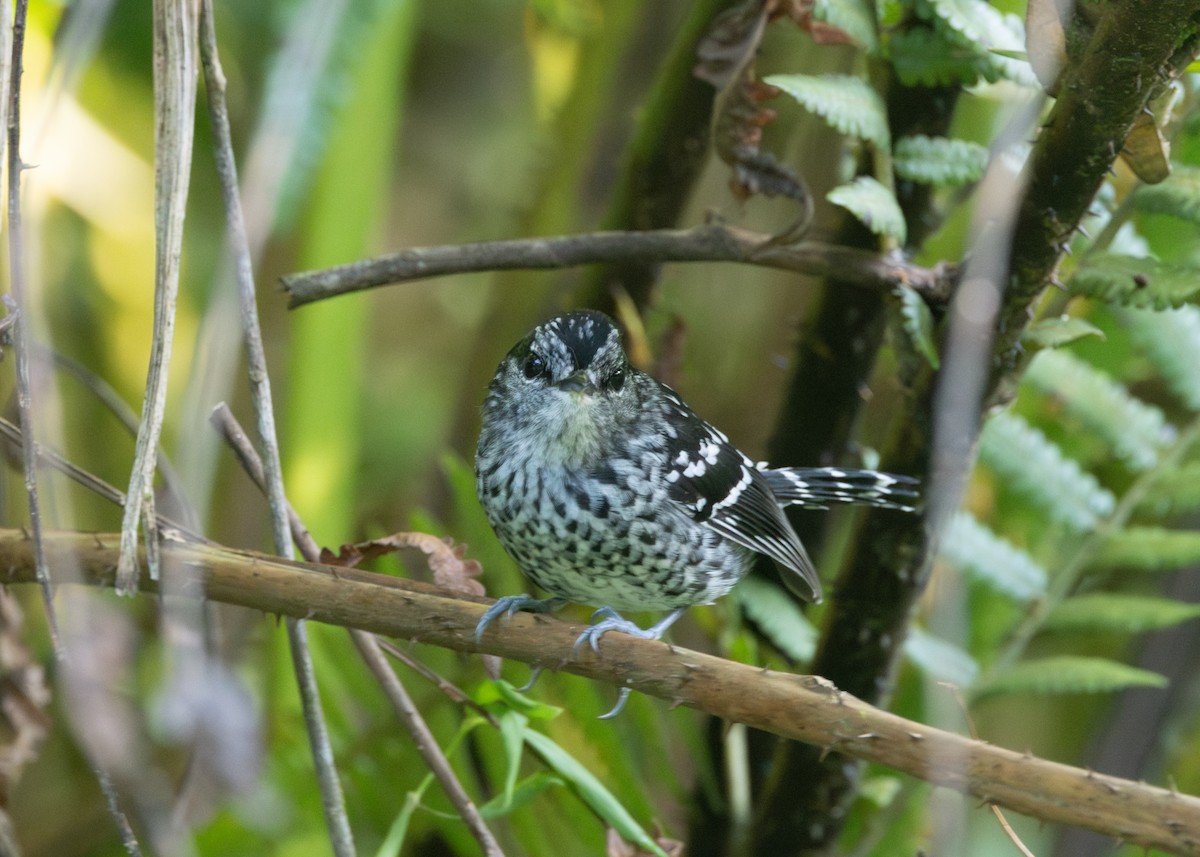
x=721, y=488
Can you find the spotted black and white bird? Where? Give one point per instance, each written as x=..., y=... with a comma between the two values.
x=608, y=490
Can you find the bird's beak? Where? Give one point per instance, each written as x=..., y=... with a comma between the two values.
x=577, y=383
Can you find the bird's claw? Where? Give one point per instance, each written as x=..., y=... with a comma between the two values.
x=610, y=620
x=534, y=675
x=622, y=698
x=510, y=604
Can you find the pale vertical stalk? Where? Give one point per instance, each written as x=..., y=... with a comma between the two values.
x=174, y=107
x=332, y=797
x=19, y=310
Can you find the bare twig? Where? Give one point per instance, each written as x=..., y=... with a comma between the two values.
x=712, y=242
x=801, y=708
x=333, y=798
x=368, y=647
x=84, y=478
x=424, y=741
x=125, y=415
x=174, y=107
x=454, y=693
x=20, y=309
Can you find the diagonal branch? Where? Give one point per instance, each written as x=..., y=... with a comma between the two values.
x=711, y=242
x=802, y=708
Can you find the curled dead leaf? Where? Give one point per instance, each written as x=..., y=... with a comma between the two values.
x=451, y=570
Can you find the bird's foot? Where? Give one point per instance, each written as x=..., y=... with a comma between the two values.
x=510, y=604
x=611, y=620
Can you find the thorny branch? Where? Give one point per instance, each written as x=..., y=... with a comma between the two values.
x=711, y=242
x=801, y=708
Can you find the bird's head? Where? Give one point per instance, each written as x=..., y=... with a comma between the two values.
x=564, y=386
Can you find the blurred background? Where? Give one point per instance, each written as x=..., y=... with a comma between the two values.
x=367, y=126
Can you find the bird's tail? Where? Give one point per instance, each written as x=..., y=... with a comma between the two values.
x=817, y=487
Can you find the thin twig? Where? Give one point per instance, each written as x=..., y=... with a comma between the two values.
x=125, y=415
x=20, y=308
x=996, y=811
x=124, y=828
x=711, y=242
x=333, y=798
x=84, y=478
x=368, y=647
x=174, y=109
x=801, y=708
x=424, y=741
x=452, y=691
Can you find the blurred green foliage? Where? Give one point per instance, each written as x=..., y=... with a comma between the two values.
x=371, y=125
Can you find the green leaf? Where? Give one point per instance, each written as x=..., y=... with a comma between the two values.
x=873, y=204
x=923, y=57
x=940, y=659
x=939, y=160
x=1148, y=549
x=917, y=322
x=1026, y=459
x=855, y=18
x=778, y=616
x=512, y=733
x=1178, y=195
x=1057, y=332
x=591, y=791
x=1174, y=492
x=1171, y=340
x=1105, y=611
x=973, y=549
x=490, y=693
x=979, y=23
x=848, y=104
x=1136, y=431
x=1065, y=674
x=1134, y=281
x=525, y=791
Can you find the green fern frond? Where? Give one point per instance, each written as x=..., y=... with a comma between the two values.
x=1174, y=492
x=923, y=57
x=999, y=39
x=917, y=322
x=1178, y=196
x=1137, y=432
x=978, y=23
x=1148, y=549
x=940, y=659
x=1105, y=611
x=939, y=160
x=778, y=616
x=1171, y=339
x=1065, y=674
x=873, y=204
x=1024, y=457
x=855, y=18
x=848, y=104
x=1135, y=281
x=1057, y=332
x=975, y=550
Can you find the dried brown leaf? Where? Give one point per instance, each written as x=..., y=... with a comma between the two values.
x=446, y=559
x=727, y=54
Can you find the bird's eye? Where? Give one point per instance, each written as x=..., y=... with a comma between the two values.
x=534, y=366
x=616, y=380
